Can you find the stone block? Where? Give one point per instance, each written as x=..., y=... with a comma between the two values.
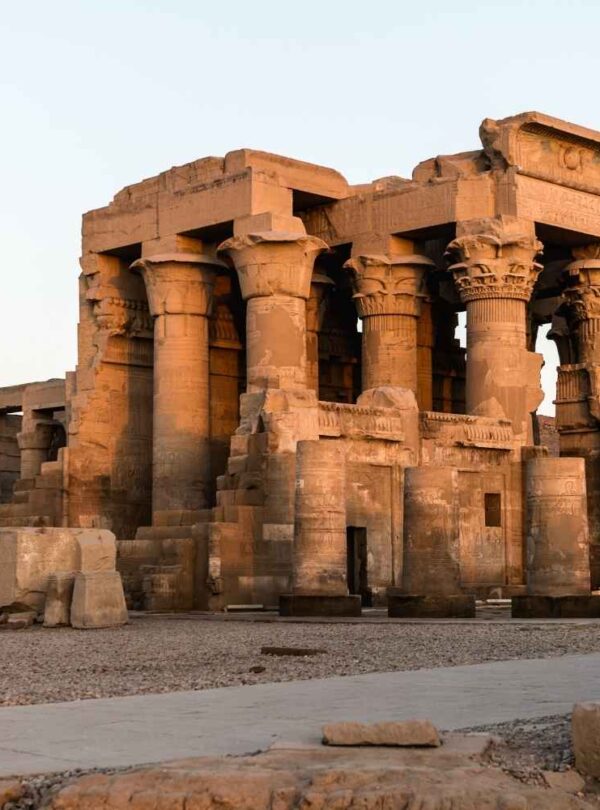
x=299, y=605
x=403, y=606
x=402, y=734
x=97, y=551
x=57, y=610
x=98, y=600
x=29, y=555
x=586, y=738
x=555, y=607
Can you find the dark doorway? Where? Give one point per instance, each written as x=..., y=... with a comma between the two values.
x=356, y=544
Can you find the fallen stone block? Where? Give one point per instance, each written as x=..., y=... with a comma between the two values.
x=406, y=733
x=57, y=610
x=19, y=621
x=29, y=555
x=98, y=600
x=585, y=728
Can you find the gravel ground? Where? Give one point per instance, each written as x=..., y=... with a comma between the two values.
x=162, y=654
x=525, y=747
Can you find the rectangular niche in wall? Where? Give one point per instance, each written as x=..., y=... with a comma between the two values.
x=493, y=509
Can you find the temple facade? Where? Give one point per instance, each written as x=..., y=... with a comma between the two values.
x=270, y=404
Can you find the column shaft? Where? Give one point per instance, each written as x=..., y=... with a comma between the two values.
x=320, y=557
x=495, y=278
x=388, y=291
x=179, y=288
x=181, y=426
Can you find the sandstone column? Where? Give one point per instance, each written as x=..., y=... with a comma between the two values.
x=320, y=584
x=388, y=290
x=275, y=270
x=431, y=566
x=558, y=565
x=179, y=288
x=578, y=414
x=315, y=312
x=494, y=277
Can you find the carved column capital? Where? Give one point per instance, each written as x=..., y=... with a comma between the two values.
x=388, y=285
x=273, y=262
x=582, y=284
x=495, y=258
x=178, y=283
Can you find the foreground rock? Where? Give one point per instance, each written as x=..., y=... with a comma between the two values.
x=317, y=779
x=586, y=738
x=408, y=733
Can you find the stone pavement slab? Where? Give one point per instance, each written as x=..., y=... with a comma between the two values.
x=239, y=720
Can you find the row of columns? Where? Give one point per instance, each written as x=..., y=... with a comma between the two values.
x=494, y=265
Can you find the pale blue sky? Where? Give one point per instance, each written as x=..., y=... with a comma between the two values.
x=96, y=94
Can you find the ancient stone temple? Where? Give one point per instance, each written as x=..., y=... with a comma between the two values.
x=270, y=400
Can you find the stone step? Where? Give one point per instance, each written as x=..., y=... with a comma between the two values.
x=20, y=497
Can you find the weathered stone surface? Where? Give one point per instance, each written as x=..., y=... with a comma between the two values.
x=57, y=608
x=586, y=738
x=98, y=600
x=405, y=733
x=219, y=329
x=29, y=556
x=324, y=778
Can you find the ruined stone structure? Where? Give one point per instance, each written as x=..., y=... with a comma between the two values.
x=269, y=390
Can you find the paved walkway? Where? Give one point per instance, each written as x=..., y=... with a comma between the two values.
x=236, y=720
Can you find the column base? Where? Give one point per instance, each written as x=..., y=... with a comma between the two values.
x=291, y=604
x=585, y=606
x=404, y=606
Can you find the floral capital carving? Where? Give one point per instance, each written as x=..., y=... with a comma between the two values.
x=495, y=258
x=388, y=285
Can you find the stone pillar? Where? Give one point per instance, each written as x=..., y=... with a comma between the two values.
x=494, y=275
x=320, y=563
x=388, y=290
x=275, y=270
x=179, y=288
x=558, y=563
x=431, y=567
x=582, y=303
x=34, y=445
x=315, y=312
x=578, y=386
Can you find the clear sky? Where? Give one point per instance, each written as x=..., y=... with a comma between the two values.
x=96, y=94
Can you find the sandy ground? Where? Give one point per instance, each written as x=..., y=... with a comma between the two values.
x=164, y=654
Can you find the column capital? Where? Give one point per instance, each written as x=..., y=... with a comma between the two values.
x=178, y=283
x=388, y=285
x=495, y=258
x=582, y=283
x=273, y=262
